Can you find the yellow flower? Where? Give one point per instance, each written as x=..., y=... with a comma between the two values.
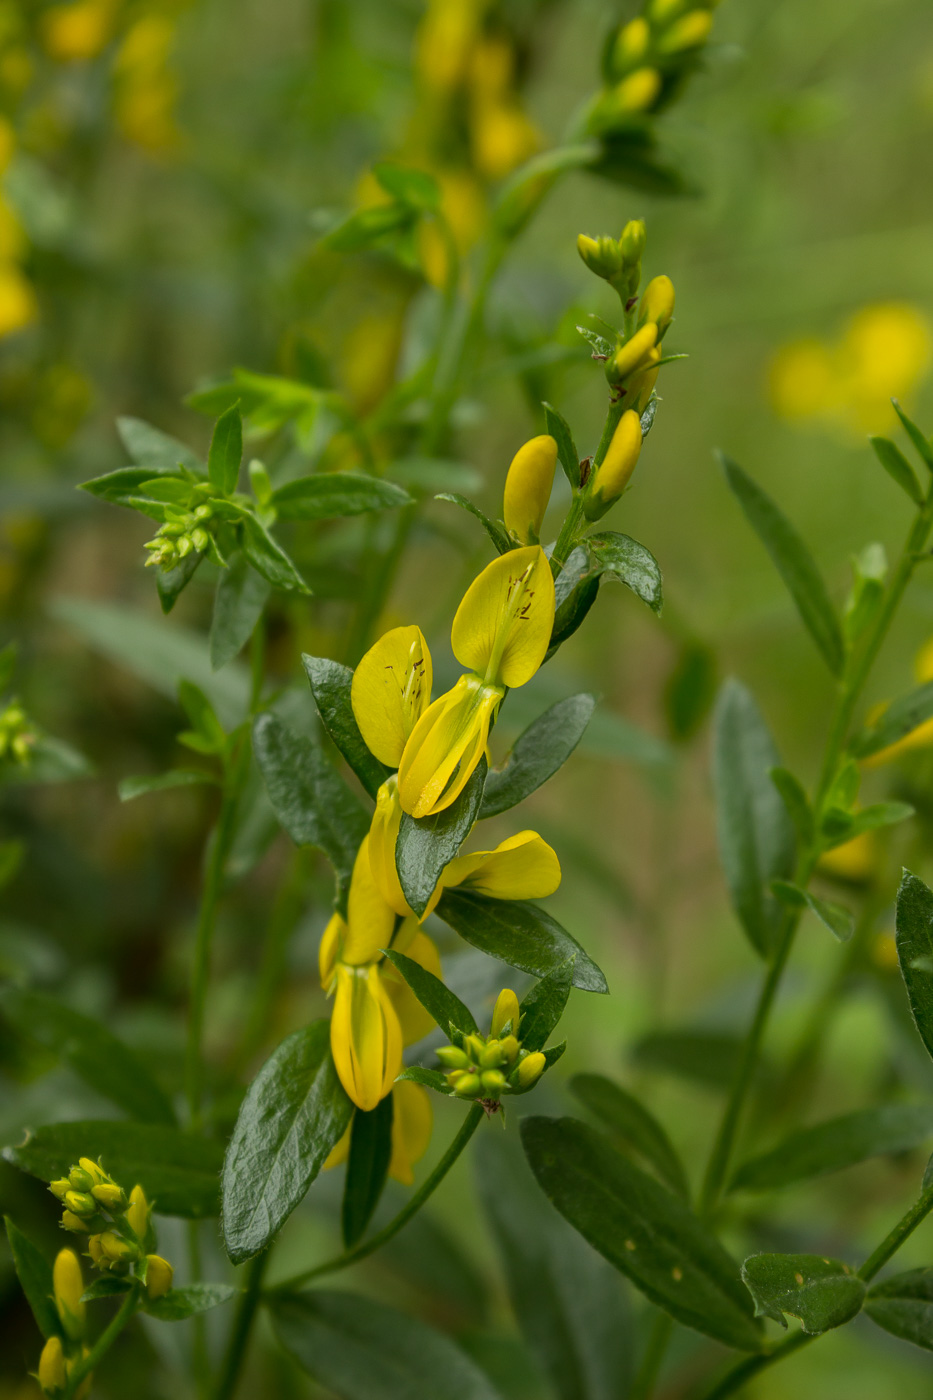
x=412, y=1120
x=52, y=1366
x=638, y=91
x=528, y=488
x=612, y=475
x=922, y=736
x=657, y=303
x=521, y=867
x=137, y=1216
x=501, y=137
x=68, y=1287
x=77, y=31
x=855, y=860
x=18, y=305
x=391, y=690
x=159, y=1275
x=414, y=1021
x=688, y=32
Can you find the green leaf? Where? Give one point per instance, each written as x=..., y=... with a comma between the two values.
x=835, y=1144
x=310, y=799
x=426, y=845
x=171, y=583
x=269, y=559
x=367, y=227
x=121, y=487
x=496, y=532
x=413, y=187
x=631, y=1123
x=330, y=686
x=840, y=825
x=538, y=753
x=143, y=783
x=914, y=926
x=432, y=474
x=93, y=1052
x=35, y=1276
x=438, y=1000
x=429, y=1078
x=178, y=1171
x=226, y=451
x=575, y=591
x=193, y=1298
x=544, y=1005
x=359, y=1349
x=899, y=719
x=294, y=1112
x=822, y=1293
x=645, y=1232
x=624, y=559
x=897, y=467
x=332, y=494
x=796, y=802
x=700, y=1056
x=756, y=839
x=206, y=728
x=241, y=596
x=518, y=933
x=903, y=1306
x=919, y=439
x=567, y=1301
x=690, y=690
x=106, y=1287
x=150, y=447
x=559, y=429
x=367, y=1169
x=793, y=562
x=836, y=917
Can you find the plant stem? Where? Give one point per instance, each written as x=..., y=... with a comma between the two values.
x=103, y=1344
x=902, y=1231
x=567, y=538
x=752, y=1365
x=240, y=1331
x=658, y=1338
x=428, y=1187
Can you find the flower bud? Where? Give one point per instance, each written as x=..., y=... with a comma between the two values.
x=453, y=1057
x=528, y=488
x=492, y=1056
x=73, y=1222
x=468, y=1087
x=60, y=1188
x=52, y=1366
x=688, y=32
x=663, y=11
x=631, y=356
x=657, y=304
x=612, y=475
x=510, y=1048
x=474, y=1046
x=111, y=1196
x=80, y=1179
x=637, y=92
x=601, y=255
x=493, y=1081
x=98, y=1177
x=159, y=1275
x=68, y=1286
x=641, y=385
x=95, y=1251
x=631, y=45
x=137, y=1216
x=506, y=1012
x=116, y=1248
x=633, y=240
x=530, y=1069
x=80, y=1202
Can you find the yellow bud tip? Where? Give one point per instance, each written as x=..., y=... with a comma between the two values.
x=110, y=1196
x=60, y=1188
x=530, y=1069
x=638, y=91
x=633, y=240
x=68, y=1286
x=97, y=1176
x=73, y=1222
x=631, y=43
x=587, y=247
x=528, y=487
x=116, y=1248
x=159, y=1275
x=688, y=32
x=505, y=1013
x=137, y=1215
x=633, y=354
x=510, y=1047
x=94, y=1249
x=80, y=1203
x=468, y=1086
x=613, y=473
x=657, y=303
x=52, y=1366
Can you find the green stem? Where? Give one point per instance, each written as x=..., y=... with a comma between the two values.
x=103, y=1344
x=658, y=1338
x=745, y=1370
x=902, y=1231
x=240, y=1331
x=567, y=539
x=428, y=1187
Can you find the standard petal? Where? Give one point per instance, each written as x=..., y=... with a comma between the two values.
x=383, y=834
x=523, y=867
x=412, y=1121
x=391, y=690
x=370, y=920
x=446, y=745
x=503, y=626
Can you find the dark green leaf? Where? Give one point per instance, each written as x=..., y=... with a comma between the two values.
x=359, y=1350
x=619, y=557
x=171, y=490
x=898, y=720
x=914, y=923
x=919, y=439
x=238, y=604
x=171, y=583
x=543, y=1006
x=837, y=1143
x=332, y=494
x=437, y=999
x=897, y=467
x=836, y=917
x=35, y=1276
x=294, y=1113
x=330, y=686
x=645, y=1232
x=796, y=802
x=690, y=690
x=367, y=227
x=793, y=562
x=569, y=1305
x=567, y=454
x=701, y=1056
x=496, y=532
x=119, y=488
x=178, y=1171
x=193, y=1298
x=903, y=1306
x=840, y=825
x=414, y=187
x=538, y=753
x=631, y=1123
x=822, y=1293
x=152, y=448
x=432, y=474
x=143, y=783
x=756, y=839
x=429, y=1078
x=367, y=1169
x=575, y=591
x=310, y=799
x=92, y=1051
x=269, y=559
x=226, y=451
x=518, y=933
x=106, y=1287
x=426, y=845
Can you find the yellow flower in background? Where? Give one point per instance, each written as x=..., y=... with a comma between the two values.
x=854, y=861
x=145, y=90
x=412, y=1121
x=444, y=42
x=79, y=31
x=18, y=304
x=883, y=353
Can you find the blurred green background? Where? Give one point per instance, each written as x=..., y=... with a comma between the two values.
x=161, y=199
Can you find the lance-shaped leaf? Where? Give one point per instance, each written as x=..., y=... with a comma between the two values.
x=171, y=583
x=269, y=558
x=226, y=451
x=793, y=561
x=629, y=1122
x=836, y=917
x=178, y=1171
x=756, y=839
x=310, y=799
x=426, y=845
x=519, y=933
x=543, y=1006
x=898, y=719
x=796, y=802
x=496, y=531
x=837, y=1143
x=647, y=1233
x=427, y=1078
x=919, y=439
x=567, y=454
x=903, y=1306
x=696, y=1054
x=333, y=494
x=914, y=925
x=437, y=999
x=367, y=1169
x=621, y=558
x=35, y=1276
x=539, y=752
x=141, y=784
x=241, y=596
x=294, y=1112
x=575, y=590
x=822, y=1293
x=330, y=685
x=359, y=1349
x=181, y=1303
x=897, y=467
x=152, y=448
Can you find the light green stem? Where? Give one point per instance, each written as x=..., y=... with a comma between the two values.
x=103, y=1344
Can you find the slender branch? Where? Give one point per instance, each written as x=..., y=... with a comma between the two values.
x=103, y=1344
x=240, y=1332
x=658, y=1338
x=902, y=1231
x=428, y=1187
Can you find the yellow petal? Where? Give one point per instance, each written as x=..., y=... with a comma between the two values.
x=370, y=920
x=383, y=834
x=412, y=1120
x=340, y=1150
x=528, y=487
x=506, y=1012
x=391, y=690
x=365, y=1036
x=502, y=628
x=446, y=745
x=523, y=867
x=413, y=1019
x=331, y=943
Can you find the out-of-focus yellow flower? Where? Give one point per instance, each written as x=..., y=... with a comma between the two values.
x=412, y=1121
x=884, y=951
x=855, y=860
x=145, y=90
x=444, y=42
x=7, y=143
x=16, y=69
x=464, y=209
x=18, y=304
x=637, y=92
x=78, y=31
x=370, y=354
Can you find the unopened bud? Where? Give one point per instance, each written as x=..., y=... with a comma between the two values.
x=632, y=355
x=528, y=488
x=612, y=475
x=530, y=1069
x=137, y=1216
x=200, y=539
x=116, y=1248
x=601, y=255
x=506, y=1012
x=641, y=385
x=637, y=92
x=73, y=1222
x=68, y=1286
x=510, y=1047
x=60, y=1188
x=492, y=1057
x=81, y=1180
x=633, y=240
x=468, y=1086
x=688, y=32
x=94, y=1249
x=52, y=1366
x=159, y=1275
x=94, y=1171
x=453, y=1057
x=203, y=512
x=80, y=1202
x=631, y=44
x=657, y=304
x=663, y=11
x=111, y=1196
x=474, y=1045
x=493, y=1081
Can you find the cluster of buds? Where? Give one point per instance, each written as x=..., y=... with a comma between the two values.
x=650, y=55
x=63, y=1352
x=617, y=260
x=119, y=1227
x=187, y=529
x=16, y=734
x=485, y=1068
